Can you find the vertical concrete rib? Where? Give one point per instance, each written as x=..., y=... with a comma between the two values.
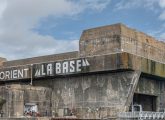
x=132, y=89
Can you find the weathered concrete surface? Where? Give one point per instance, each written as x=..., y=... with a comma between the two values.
x=109, y=62
x=152, y=87
x=2, y=60
x=94, y=96
x=30, y=118
x=118, y=37
x=125, y=61
x=2, y=101
x=41, y=59
x=17, y=95
x=89, y=96
x=132, y=88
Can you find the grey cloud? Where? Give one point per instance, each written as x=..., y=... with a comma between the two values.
x=18, y=17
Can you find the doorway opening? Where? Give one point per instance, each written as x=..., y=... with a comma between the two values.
x=147, y=102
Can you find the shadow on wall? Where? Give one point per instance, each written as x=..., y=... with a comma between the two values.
x=2, y=101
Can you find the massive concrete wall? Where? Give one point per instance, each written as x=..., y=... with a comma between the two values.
x=93, y=96
x=88, y=96
x=101, y=40
x=99, y=90
x=117, y=38
x=17, y=95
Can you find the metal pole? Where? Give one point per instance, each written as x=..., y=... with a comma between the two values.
x=31, y=82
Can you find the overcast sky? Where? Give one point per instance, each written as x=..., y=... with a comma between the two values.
x=31, y=28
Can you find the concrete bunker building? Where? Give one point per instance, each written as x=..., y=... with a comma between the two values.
x=116, y=67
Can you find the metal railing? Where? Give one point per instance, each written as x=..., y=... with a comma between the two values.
x=143, y=115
